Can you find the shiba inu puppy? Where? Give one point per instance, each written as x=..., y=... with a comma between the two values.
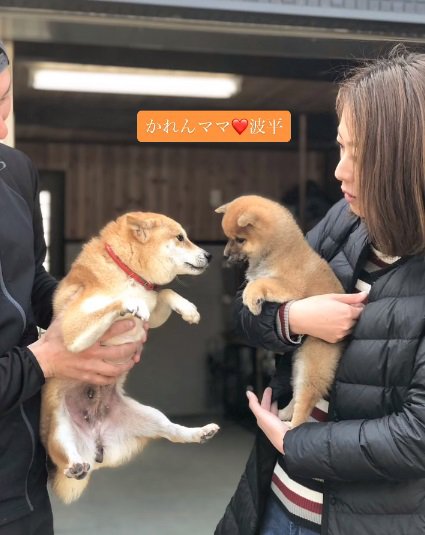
x=283, y=267
x=85, y=427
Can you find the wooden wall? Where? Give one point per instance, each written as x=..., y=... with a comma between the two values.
x=103, y=181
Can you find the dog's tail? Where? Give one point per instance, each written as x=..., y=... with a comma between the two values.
x=68, y=489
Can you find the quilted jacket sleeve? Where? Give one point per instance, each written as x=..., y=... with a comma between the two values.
x=391, y=447
x=260, y=330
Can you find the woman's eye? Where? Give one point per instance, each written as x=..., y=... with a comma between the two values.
x=340, y=146
x=180, y=237
x=240, y=240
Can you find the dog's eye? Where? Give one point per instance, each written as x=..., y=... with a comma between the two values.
x=240, y=240
x=180, y=237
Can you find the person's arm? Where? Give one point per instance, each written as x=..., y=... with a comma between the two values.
x=20, y=378
x=391, y=447
x=23, y=370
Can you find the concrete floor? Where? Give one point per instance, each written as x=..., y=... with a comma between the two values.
x=170, y=489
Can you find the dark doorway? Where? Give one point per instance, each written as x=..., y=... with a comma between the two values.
x=52, y=190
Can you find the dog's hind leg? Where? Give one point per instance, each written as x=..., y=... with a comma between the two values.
x=314, y=369
x=68, y=490
x=71, y=475
x=147, y=422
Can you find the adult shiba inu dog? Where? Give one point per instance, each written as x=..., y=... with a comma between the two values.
x=85, y=427
x=283, y=267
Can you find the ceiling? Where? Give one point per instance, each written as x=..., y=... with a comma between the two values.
x=300, y=86
x=286, y=62
x=117, y=113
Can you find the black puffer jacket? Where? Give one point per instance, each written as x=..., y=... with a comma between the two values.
x=371, y=453
x=25, y=301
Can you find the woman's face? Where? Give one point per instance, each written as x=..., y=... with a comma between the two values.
x=344, y=171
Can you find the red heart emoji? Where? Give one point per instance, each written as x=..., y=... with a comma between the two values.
x=239, y=125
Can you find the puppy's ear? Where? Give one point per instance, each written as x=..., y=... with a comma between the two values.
x=221, y=209
x=247, y=218
x=142, y=227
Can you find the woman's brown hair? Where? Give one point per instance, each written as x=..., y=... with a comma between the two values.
x=384, y=102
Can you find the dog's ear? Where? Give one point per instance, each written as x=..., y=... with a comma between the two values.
x=222, y=209
x=142, y=227
x=247, y=218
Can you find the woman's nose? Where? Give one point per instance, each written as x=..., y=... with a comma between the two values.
x=343, y=171
x=338, y=171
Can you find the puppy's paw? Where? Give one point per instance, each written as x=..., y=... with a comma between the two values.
x=189, y=313
x=77, y=470
x=207, y=432
x=253, y=300
x=287, y=412
x=136, y=308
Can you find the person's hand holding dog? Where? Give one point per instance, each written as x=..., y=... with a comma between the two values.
x=267, y=418
x=330, y=317
x=99, y=364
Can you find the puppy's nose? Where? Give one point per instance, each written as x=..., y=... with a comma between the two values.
x=208, y=256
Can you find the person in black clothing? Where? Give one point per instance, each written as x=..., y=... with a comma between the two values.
x=26, y=291
x=359, y=468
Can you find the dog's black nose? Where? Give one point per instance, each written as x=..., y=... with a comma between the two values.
x=208, y=256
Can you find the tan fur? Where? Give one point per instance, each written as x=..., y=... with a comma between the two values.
x=283, y=267
x=79, y=422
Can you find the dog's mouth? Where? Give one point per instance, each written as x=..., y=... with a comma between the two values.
x=233, y=259
x=195, y=268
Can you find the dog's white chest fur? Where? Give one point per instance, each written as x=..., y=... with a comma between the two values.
x=260, y=271
x=129, y=292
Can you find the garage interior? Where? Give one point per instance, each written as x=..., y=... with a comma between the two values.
x=289, y=57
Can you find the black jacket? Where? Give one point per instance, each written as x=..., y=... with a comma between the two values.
x=25, y=301
x=371, y=453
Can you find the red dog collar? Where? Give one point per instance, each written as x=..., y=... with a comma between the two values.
x=130, y=272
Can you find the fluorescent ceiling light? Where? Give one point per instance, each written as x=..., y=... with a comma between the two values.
x=98, y=79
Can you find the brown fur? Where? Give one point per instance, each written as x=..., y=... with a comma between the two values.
x=283, y=267
x=84, y=427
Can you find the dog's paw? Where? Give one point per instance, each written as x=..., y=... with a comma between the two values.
x=189, y=313
x=77, y=470
x=253, y=300
x=207, y=432
x=287, y=412
x=79, y=344
x=136, y=308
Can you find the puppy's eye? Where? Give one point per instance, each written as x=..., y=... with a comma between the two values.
x=240, y=240
x=180, y=237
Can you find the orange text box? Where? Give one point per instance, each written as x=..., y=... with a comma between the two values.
x=241, y=126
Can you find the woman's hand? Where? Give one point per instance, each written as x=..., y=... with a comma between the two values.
x=267, y=418
x=330, y=317
x=98, y=364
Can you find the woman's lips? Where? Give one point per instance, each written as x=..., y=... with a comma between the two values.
x=348, y=197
